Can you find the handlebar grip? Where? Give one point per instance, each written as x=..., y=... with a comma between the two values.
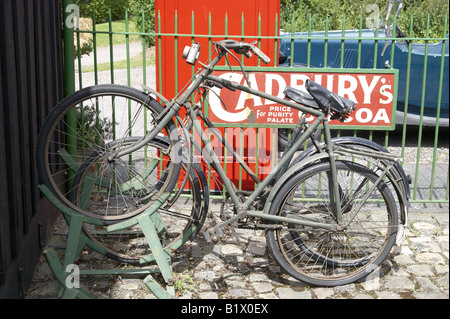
x=260, y=54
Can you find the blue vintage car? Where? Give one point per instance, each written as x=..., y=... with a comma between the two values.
x=383, y=60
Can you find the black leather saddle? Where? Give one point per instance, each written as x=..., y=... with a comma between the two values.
x=323, y=99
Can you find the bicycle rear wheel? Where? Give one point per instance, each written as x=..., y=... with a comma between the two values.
x=89, y=124
x=330, y=258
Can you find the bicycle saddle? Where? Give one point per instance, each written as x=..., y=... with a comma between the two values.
x=300, y=97
x=322, y=98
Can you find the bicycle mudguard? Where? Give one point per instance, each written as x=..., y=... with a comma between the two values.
x=406, y=180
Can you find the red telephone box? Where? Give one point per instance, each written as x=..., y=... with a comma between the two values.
x=183, y=22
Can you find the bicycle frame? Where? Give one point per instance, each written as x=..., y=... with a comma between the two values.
x=172, y=108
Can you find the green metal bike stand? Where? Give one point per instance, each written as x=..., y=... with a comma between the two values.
x=77, y=241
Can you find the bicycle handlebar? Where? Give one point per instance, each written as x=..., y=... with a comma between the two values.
x=244, y=48
x=260, y=54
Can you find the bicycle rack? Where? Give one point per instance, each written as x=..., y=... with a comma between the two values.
x=150, y=223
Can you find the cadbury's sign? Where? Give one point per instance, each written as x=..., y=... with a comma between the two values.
x=374, y=94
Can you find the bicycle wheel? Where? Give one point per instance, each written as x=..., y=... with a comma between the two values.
x=178, y=220
x=330, y=258
x=83, y=126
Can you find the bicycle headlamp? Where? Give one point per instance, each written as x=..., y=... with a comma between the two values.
x=191, y=53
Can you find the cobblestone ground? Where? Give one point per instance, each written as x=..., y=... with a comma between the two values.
x=241, y=268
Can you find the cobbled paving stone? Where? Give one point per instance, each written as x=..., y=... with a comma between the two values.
x=240, y=267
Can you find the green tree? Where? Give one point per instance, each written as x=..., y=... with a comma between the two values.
x=143, y=13
x=102, y=8
x=298, y=12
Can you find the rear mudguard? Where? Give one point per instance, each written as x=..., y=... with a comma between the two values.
x=406, y=180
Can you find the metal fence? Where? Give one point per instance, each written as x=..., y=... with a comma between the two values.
x=122, y=56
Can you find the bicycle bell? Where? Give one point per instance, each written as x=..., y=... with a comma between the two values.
x=191, y=53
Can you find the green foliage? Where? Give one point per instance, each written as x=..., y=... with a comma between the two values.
x=184, y=283
x=92, y=126
x=419, y=9
x=101, y=9
x=143, y=11
x=85, y=48
x=299, y=13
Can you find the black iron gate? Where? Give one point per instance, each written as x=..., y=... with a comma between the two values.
x=31, y=83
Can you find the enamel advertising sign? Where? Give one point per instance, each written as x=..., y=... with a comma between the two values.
x=373, y=92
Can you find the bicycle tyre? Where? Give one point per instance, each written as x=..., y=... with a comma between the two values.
x=325, y=258
x=100, y=114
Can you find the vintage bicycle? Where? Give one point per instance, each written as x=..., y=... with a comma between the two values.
x=331, y=215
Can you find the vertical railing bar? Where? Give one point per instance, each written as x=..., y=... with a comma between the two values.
x=393, y=46
x=225, y=155
x=257, y=154
x=408, y=75
x=144, y=55
x=209, y=35
x=111, y=46
x=193, y=41
x=241, y=154
x=94, y=43
x=343, y=42
x=111, y=62
x=273, y=147
x=394, y=27
x=291, y=62
x=375, y=51
x=80, y=76
x=208, y=162
x=160, y=54
x=243, y=36
x=308, y=55
x=259, y=36
x=358, y=63
x=325, y=51
x=127, y=44
x=226, y=32
x=176, y=50
x=80, y=83
x=144, y=78
x=127, y=47
x=275, y=62
x=226, y=25
x=438, y=112
x=422, y=107
x=241, y=130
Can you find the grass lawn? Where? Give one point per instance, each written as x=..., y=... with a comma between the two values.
x=104, y=40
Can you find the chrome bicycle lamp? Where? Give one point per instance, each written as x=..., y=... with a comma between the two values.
x=191, y=53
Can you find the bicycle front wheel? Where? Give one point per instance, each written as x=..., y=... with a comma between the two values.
x=322, y=257
x=87, y=128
